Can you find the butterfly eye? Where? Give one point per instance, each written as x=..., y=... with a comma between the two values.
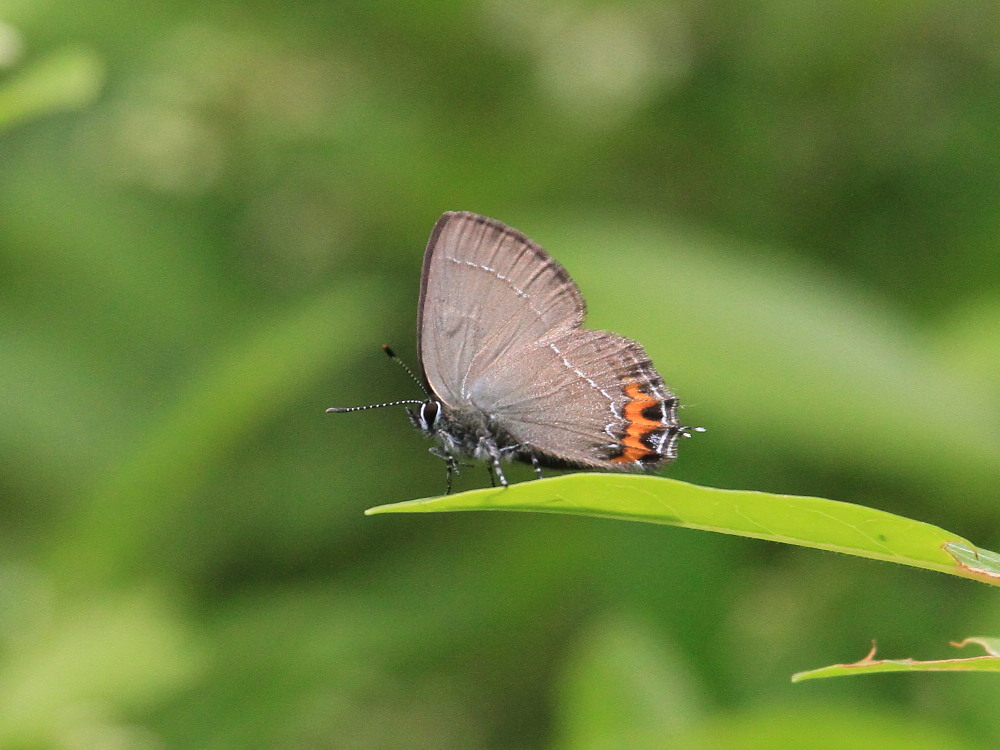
x=430, y=411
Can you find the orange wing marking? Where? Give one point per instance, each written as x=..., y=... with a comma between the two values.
x=639, y=427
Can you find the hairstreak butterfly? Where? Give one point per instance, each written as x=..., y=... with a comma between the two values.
x=510, y=372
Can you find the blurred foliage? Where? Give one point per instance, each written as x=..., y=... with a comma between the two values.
x=793, y=205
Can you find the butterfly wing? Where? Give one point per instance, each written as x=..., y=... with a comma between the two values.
x=486, y=289
x=584, y=398
x=499, y=334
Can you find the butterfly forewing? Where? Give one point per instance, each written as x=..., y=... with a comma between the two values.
x=486, y=291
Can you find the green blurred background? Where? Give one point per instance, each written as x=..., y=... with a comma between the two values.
x=211, y=218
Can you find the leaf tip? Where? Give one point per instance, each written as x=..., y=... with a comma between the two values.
x=975, y=562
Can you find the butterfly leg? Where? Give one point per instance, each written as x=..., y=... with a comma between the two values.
x=537, y=466
x=449, y=472
x=451, y=464
x=489, y=451
x=495, y=462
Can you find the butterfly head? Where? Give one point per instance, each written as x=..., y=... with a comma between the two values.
x=427, y=416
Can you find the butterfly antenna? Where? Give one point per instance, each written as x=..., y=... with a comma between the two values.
x=345, y=409
x=401, y=363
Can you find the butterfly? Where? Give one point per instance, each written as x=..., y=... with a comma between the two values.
x=510, y=372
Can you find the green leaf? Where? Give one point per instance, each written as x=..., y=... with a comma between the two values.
x=868, y=665
x=980, y=563
x=792, y=519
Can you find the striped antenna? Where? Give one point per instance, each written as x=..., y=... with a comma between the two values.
x=345, y=409
x=401, y=363
x=392, y=356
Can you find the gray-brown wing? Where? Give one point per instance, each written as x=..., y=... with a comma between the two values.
x=486, y=290
x=582, y=397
